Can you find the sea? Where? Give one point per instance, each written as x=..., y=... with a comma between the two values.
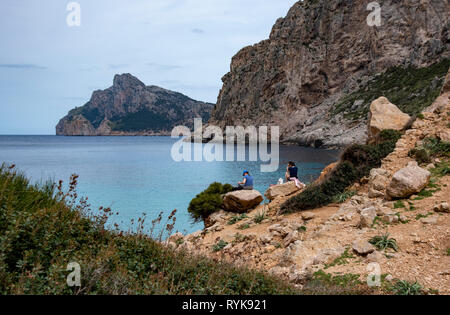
x=138, y=176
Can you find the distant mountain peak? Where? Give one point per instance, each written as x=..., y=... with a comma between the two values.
x=131, y=108
x=127, y=80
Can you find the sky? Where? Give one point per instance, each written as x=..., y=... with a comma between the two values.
x=48, y=67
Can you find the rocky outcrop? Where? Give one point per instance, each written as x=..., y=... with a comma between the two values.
x=285, y=189
x=131, y=108
x=384, y=115
x=242, y=201
x=319, y=53
x=407, y=181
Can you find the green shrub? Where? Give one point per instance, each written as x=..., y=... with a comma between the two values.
x=356, y=163
x=431, y=148
x=208, y=201
x=420, y=155
x=403, y=287
x=437, y=147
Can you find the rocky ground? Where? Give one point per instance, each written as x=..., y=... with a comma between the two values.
x=334, y=239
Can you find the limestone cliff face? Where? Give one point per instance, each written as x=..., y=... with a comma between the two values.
x=131, y=108
x=321, y=51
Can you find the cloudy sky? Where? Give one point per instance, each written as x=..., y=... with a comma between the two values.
x=47, y=67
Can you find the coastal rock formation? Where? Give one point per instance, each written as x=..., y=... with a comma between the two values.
x=131, y=108
x=241, y=201
x=409, y=180
x=384, y=115
x=321, y=52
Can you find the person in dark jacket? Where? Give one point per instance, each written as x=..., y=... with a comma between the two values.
x=292, y=175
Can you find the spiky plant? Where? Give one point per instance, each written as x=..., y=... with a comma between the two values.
x=403, y=287
x=383, y=242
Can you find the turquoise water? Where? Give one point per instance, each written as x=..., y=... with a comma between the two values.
x=136, y=175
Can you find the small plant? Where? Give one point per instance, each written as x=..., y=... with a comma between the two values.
x=302, y=228
x=420, y=116
x=236, y=218
x=448, y=251
x=339, y=280
x=219, y=246
x=383, y=242
x=244, y=226
x=403, y=287
x=259, y=217
x=399, y=204
x=423, y=216
x=441, y=170
x=342, y=260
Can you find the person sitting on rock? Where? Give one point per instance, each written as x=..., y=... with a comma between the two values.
x=292, y=175
x=246, y=184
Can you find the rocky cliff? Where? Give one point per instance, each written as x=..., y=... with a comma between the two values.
x=131, y=108
x=323, y=65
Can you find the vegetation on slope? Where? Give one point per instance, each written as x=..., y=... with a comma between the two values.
x=356, y=162
x=43, y=229
x=410, y=89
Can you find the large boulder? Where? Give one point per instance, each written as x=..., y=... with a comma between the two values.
x=242, y=201
x=408, y=181
x=385, y=115
x=281, y=190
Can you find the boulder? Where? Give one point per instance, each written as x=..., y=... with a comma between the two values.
x=408, y=181
x=444, y=135
x=363, y=247
x=443, y=207
x=217, y=217
x=385, y=115
x=367, y=217
x=281, y=190
x=242, y=201
x=378, y=180
x=291, y=238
